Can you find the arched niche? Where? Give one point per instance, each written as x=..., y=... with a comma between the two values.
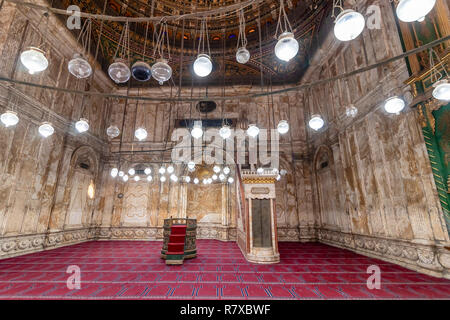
x=81, y=181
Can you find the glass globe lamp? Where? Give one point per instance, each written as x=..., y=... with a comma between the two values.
x=351, y=111
x=162, y=170
x=278, y=178
x=114, y=172
x=394, y=105
x=141, y=71
x=174, y=178
x=230, y=180
x=119, y=71
x=226, y=170
x=131, y=172
x=414, y=10
x=125, y=178
x=9, y=118
x=197, y=131
x=112, y=132
x=283, y=127
x=316, y=122
x=216, y=169
x=348, y=25
x=214, y=177
x=260, y=170
x=225, y=132
x=82, y=125
x=209, y=180
x=187, y=179
x=202, y=65
x=286, y=47
x=149, y=178
x=162, y=179
x=34, y=60
x=196, y=181
x=121, y=173
x=170, y=169
x=137, y=178
x=442, y=90
x=221, y=177
x=140, y=134
x=253, y=130
x=161, y=71
x=242, y=55
x=79, y=67
x=191, y=165
x=147, y=171
x=46, y=129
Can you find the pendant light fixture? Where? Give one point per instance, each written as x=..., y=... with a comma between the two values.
x=147, y=171
x=283, y=127
x=348, y=24
x=226, y=170
x=125, y=178
x=197, y=131
x=242, y=54
x=113, y=132
x=137, y=178
x=149, y=178
x=34, y=58
x=161, y=70
x=46, y=129
x=9, y=118
x=114, y=172
x=414, y=10
x=162, y=179
x=225, y=132
x=170, y=169
x=287, y=46
x=121, y=173
x=79, y=66
x=351, y=111
x=230, y=180
x=216, y=169
x=394, y=105
x=162, y=170
x=253, y=130
x=140, y=134
x=203, y=65
x=439, y=79
x=191, y=166
x=140, y=70
x=82, y=125
x=187, y=179
x=119, y=71
x=131, y=172
x=316, y=122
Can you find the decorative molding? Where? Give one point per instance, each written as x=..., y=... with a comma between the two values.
x=427, y=258
x=24, y=244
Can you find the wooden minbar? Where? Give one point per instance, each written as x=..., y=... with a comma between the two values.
x=179, y=240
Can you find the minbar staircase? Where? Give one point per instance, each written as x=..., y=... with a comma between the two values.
x=175, y=247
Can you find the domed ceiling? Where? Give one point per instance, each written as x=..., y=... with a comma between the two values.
x=306, y=18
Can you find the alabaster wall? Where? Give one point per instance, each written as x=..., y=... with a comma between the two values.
x=294, y=206
x=43, y=189
x=373, y=187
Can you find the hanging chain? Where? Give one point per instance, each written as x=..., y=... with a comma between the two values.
x=123, y=47
x=283, y=23
x=436, y=75
x=204, y=37
x=337, y=4
x=242, y=39
x=163, y=36
x=85, y=36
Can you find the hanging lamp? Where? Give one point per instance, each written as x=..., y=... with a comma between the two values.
x=161, y=71
x=140, y=70
x=287, y=46
x=79, y=66
x=348, y=24
x=242, y=54
x=439, y=79
x=119, y=71
x=414, y=10
x=34, y=58
x=203, y=65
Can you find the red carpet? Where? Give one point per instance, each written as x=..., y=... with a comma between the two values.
x=134, y=270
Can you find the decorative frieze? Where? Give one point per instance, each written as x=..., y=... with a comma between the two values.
x=429, y=258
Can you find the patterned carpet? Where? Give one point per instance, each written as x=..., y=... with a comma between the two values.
x=133, y=270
